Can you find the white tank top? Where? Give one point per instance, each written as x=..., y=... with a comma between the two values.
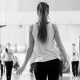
x=75, y=55
x=49, y=50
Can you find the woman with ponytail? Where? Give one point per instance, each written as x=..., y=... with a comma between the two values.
x=45, y=47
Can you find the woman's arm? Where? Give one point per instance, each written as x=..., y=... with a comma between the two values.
x=29, y=51
x=59, y=43
x=3, y=54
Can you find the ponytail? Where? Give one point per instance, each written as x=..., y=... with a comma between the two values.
x=42, y=30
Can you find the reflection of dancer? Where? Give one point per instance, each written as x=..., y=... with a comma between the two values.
x=75, y=61
x=8, y=60
x=43, y=38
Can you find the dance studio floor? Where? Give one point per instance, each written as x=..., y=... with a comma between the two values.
x=30, y=77
x=26, y=75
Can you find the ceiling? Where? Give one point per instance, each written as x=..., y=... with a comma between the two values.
x=30, y=5
x=55, y=5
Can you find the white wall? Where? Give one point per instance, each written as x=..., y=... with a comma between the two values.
x=14, y=34
x=68, y=23
x=59, y=17
x=8, y=5
x=66, y=5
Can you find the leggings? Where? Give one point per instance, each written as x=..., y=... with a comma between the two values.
x=1, y=68
x=49, y=69
x=61, y=68
x=8, y=65
x=75, y=68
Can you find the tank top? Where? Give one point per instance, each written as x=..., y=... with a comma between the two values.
x=75, y=56
x=7, y=56
x=49, y=50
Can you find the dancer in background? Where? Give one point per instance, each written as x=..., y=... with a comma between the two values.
x=75, y=61
x=79, y=57
x=42, y=38
x=8, y=57
x=16, y=64
x=1, y=64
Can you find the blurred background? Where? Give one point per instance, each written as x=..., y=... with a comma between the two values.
x=17, y=15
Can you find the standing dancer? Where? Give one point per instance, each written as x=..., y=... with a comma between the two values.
x=1, y=64
x=8, y=57
x=75, y=61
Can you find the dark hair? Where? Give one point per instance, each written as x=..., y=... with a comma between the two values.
x=74, y=44
x=42, y=33
x=6, y=50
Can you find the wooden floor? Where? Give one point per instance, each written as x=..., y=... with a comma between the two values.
x=30, y=77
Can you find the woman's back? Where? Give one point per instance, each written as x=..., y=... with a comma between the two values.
x=49, y=49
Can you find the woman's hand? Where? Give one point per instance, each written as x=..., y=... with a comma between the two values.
x=66, y=65
x=19, y=72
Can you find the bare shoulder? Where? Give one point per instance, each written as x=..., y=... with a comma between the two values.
x=30, y=28
x=54, y=26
